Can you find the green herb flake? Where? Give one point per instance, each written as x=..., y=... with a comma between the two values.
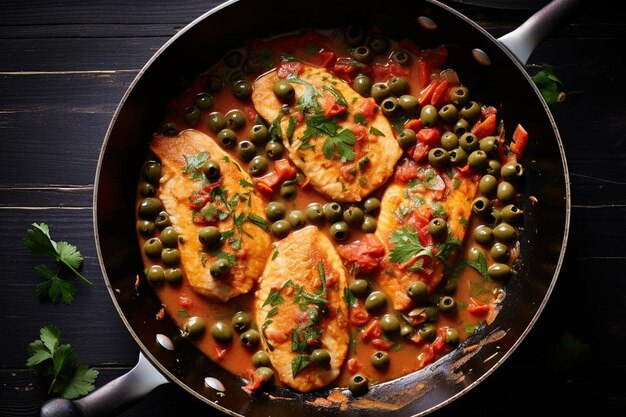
x=349, y=298
x=274, y=298
x=360, y=119
x=245, y=183
x=456, y=183
x=376, y=132
x=290, y=127
x=193, y=163
x=298, y=364
x=406, y=246
x=258, y=221
x=463, y=221
x=480, y=265
x=339, y=98
x=363, y=163
x=182, y=313
x=275, y=254
x=272, y=312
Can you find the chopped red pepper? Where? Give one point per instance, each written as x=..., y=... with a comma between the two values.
x=358, y=316
x=382, y=344
x=406, y=170
x=353, y=365
x=372, y=330
x=368, y=109
x=429, y=136
x=327, y=57
x=426, y=94
x=414, y=124
x=334, y=110
x=485, y=127
x=439, y=97
x=284, y=169
x=198, y=199
x=423, y=73
x=420, y=151
x=520, y=137
x=478, y=310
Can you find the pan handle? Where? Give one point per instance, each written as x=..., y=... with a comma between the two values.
x=111, y=398
x=523, y=40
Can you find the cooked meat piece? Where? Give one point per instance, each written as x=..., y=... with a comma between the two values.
x=339, y=139
x=193, y=203
x=300, y=308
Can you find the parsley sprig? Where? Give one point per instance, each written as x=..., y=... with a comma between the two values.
x=407, y=245
x=53, y=287
x=58, y=363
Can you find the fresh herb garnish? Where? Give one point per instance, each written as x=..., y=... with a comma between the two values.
x=275, y=254
x=407, y=245
x=245, y=183
x=272, y=312
x=376, y=132
x=360, y=119
x=275, y=132
x=274, y=298
x=550, y=86
x=194, y=163
x=57, y=363
x=339, y=98
x=290, y=127
x=55, y=288
x=349, y=298
x=480, y=265
x=258, y=221
x=298, y=364
x=308, y=99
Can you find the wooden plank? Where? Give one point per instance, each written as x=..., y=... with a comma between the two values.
x=61, y=196
x=93, y=30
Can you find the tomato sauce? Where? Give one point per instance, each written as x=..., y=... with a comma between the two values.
x=474, y=293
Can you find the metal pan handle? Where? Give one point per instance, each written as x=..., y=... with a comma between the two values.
x=111, y=398
x=523, y=40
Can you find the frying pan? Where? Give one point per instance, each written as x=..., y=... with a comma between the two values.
x=492, y=69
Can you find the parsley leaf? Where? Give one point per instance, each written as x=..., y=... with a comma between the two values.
x=57, y=363
x=343, y=142
x=360, y=119
x=339, y=98
x=406, y=245
x=480, y=264
x=194, y=163
x=258, y=221
x=54, y=287
x=308, y=99
x=349, y=298
x=274, y=298
x=549, y=85
x=298, y=364
x=376, y=132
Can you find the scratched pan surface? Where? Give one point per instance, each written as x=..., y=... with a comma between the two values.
x=504, y=84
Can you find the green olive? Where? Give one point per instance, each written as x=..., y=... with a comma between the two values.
x=281, y=228
x=449, y=141
x=258, y=165
x=260, y=359
x=297, y=219
x=221, y=332
x=275, y=210
x=483, y=234
x=354, y=35
x=407, y=139
x=169, y=237
x=170, y=256
x=369, y=224
x=401, y=57
x=512, y=214
x=235, y=119
x=162, y=220
x=219, y=268
x=250, y=338
x=459, y=96
x=149, y=208
x=266, y=374
x=246, y=150
x=258, y=134
x=406, y=329
x=489, y=145
x=458, y=157
x=155, y=274
x=227, y=138
x=358, y=385
x=321, y=358
x=409, y=103
x=390, y=324
x=151, y=171
x=494, y=217
x=398, y=85
x=194, y=326
x=505, y=233
x=478, y=160
x=469, y=142
x=192, y=115
x=481, y=206
x=493, y=167
x=332, y=211
x=153, y=247
x=146, y=227
x=170, y=129
x=380, y=360
x=359, y=287
x=216, y=121
x=371, y=205
x=380, y=91
x=376, y=301
x=314, y=212
x=353, y=216
x=499, y=272
x=461, y=126
x=475, y=253
x=241, y=321
x=499, y=252
x=439, y=157
x=511, y=171
x=283, y=90
x=362, y=84
x=147, y=189
x=417, y=291
x=274, y=150
x=429, y=115
x=390, y=105
x=214, y=83
x=488, y=185
x=361, y=53
x=428, y=332
x=210, y=236
x=173, y=275
x=452, y=337
x=288, y=190
x=446, y=305
x=378, y=44
x=212, y=170
x=471, y=111
x=449, y=113
x=339, y=231
x=505, y=192
x=242, y=89
x=204, y=101
x=438, y=227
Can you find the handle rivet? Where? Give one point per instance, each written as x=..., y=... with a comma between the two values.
x=426, y=23
x=481, y=57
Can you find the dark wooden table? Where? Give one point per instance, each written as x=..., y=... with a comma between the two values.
x=65, y=65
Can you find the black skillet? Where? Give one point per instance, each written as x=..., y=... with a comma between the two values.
x=490, y=70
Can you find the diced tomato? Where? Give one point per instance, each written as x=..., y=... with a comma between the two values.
x=254, y=381
x=426, y=357
x=435, y=57
x=360, y=132
x=439, y=97
x=387, y=70
x=334, y=110
x=423, y=72
x=358, y=316
x=368, y=109
x=284, y=169
x=198, y=199
x=346, y=69
x=485, y=127
x=275, y=335
x=426, y=94
x=382, y=344
x=348, y=172
x=488, y=111
x=439, y=344
x=268, y=180
x=263, y=188
x=353, y=365
x=251, y=114
x=477, y=309
x=520, y=137
x=420, y=151
x=465, y=169
x=366, y=253
x=286, y=68
x=414, y=124
x=327, y=57
x=372, y=330
x=406, y=170
x=429, y=136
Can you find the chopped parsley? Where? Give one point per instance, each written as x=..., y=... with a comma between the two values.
x=480, y=265
x=275, y=254
x=298, y=364
x=349, y=298
x=360, y=119
x=407, y=245
x=376, y=132
x=194, y=163
x=258, y=221
x=339, y=98
x=274, y=298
